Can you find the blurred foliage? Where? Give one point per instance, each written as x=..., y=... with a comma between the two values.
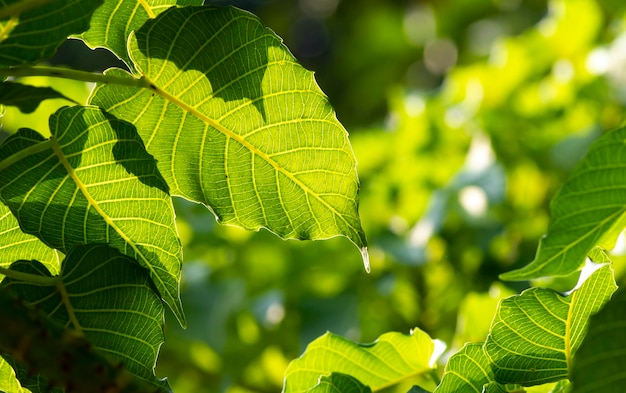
x=465, y=116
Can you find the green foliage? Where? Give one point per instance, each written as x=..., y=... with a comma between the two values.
x=211, y=107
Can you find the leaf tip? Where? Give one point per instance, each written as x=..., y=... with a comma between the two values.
x=366, y=259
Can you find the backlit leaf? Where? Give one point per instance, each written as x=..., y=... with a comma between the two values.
x=339, y=383
x=236, y=124
x=388, y=360
x=588, y=210
x=33, y=35
x=92, y=181
x=8, y=380
x=107, y=297
x=112, y=23
x=27, y=98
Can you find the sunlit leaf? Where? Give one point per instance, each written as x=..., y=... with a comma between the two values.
x=235, y=123
x=107, y=297
x=93, y=182
x=33, y=35
x=15, y=244
x=26, y=98
x=599, y=363
x=588, y=210
x=467, y=371
x=8, y=380
x=339, y=383
x=535, y=335
x=388, y=360
x=115, y=19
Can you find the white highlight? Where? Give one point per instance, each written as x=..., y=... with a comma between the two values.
x=366, y=259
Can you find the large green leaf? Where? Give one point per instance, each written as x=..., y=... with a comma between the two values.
x=389, y=360
x=599, y=363
x=588, y=210
x=15, y=244
x=235, y=123
x=93, y=181
x=112, y=23
x=104, y=296
x=32, y=34
x=535, y=335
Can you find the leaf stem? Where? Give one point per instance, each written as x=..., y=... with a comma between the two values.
x=30, y=278
x=57, y=72
x=15, y=9
x=68, y=306
x=33, y=149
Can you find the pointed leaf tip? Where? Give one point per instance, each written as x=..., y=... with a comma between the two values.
x=366, y=259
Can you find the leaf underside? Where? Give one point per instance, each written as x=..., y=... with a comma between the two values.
x=236, y=124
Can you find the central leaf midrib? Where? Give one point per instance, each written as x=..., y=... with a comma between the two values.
x=253, y=149
x=94, y=203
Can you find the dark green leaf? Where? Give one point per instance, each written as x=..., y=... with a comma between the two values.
x=93, y=181
x=33, y=35
x=27, y=98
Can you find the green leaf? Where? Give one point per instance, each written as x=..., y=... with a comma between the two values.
x=112, y=23
x=93, y=181
x=588, y=210
x=15, y=244
x=599, y=363
x=8, y=380
x=33, y=34
x=107, y=297
x=236, y=124
x=339, y=383
x=467, y=371
x=534, y=335
x=389, y=360
x=27, y=98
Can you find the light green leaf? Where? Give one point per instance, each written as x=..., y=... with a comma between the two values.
x=107, y=297
x=467, y=371
x=599, y=363
x=35, y=29
x=27, y=98
x=93, y=181
x=8, y=380
x=534, y=335
x=15, y=244
x=112, y=23
x=389, y=360
x=339, y=383
x=236, y=124
x=588, y=210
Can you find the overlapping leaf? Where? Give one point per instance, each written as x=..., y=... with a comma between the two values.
x=235, y=123
x=390, y=359
x=535, y=335
x=15, y=244
x=91, y=182
x=599, y=363
x=26, y=98
x=112, y=23
x=8, y=380
x=339, y=383
x=107, y=297
x=589, y=210
x=33, y=35
x=467, y=371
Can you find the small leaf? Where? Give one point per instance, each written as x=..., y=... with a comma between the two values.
x=339, y=383
x=112, y=23
x=27, y=98
x=391, y=358
x=534, y=335
x=599, y=363
x=588, y=210
x=236, y=124
x=15, y=244
x=35, y=34
x=8, y=380
x=467, y=371
x=107, y=297
x=93, y=181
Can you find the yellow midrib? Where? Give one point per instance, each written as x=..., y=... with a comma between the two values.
x=81, y=186
x=230, y=134
x=148, y=9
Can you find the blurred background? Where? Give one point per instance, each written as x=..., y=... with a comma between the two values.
x=465, y=117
